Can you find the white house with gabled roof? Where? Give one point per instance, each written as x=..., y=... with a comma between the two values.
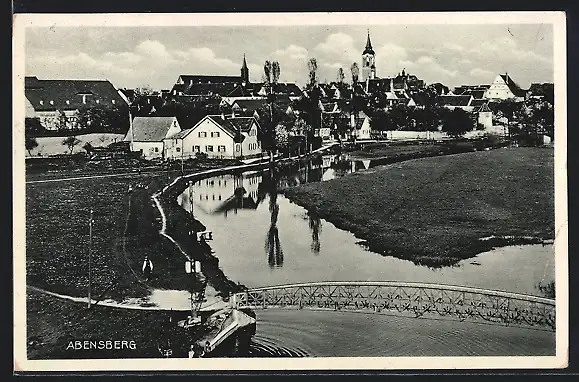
x=147, y=135
x=218, y=136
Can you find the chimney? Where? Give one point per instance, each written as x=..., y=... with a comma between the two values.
x=232, y=113
x=352, y=121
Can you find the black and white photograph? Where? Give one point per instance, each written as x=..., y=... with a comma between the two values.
x=265, y=191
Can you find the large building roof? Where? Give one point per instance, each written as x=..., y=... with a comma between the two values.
x=513, y=86
x=455, y=100
x=149, y=129
x=51, y=95
x=203, y=79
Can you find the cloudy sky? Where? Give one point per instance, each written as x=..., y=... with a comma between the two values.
x=156, y=56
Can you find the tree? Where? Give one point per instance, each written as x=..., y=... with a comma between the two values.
x=457, y=122
x=71, y=142
x=355, y=70
x=31, y=144
x=281, y=137
x=61, y=120
x=33, y=126
x=312, y=69
x=340, y=76
x=271, y=73
x=143, y=90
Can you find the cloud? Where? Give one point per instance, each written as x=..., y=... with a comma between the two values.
x=478, y=72
x=389, y=59
x=429, y=69
x=464, y=61
x=453, y=47
x=292, y=52
x=153, y=49
x=506, y=49
x=339, y=45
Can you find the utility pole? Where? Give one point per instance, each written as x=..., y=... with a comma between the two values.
x=182, y=157
x=89, y=258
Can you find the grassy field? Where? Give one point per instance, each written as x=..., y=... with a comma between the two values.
x=53, y=145
x=52, y=323
x=125, y=229
x=433, y=211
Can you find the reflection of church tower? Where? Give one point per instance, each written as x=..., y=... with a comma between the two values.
x=244, y=72
x=368, y=61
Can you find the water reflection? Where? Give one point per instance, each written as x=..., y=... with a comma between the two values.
x=315, y=226
x=273, y=248
x=249, y=216
x=229, y=193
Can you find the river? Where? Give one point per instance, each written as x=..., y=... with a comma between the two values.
x=262, y=239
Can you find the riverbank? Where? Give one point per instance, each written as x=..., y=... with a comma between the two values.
x=434, y=211
x=125, y=229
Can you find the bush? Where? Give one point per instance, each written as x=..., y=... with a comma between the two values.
x=201, y=156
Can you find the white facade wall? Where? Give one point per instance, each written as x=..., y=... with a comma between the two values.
x=209, y=138
x=485, y=118
x=499, y=90
x=365, y=130
x=250, y=145
x=403, y=135
x=49, y=119
x=150, y=150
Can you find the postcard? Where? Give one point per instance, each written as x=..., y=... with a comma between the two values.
x=291, y=191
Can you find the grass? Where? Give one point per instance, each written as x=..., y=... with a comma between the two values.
x=57, y=236
x=433, y=211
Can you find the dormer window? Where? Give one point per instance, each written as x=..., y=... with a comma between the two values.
x=84, y=99
x=97, y=101
x=67, y=102
x=52, y=102
x=41, y=102
x=113, y=101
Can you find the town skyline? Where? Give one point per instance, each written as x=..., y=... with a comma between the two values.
x=155, y=56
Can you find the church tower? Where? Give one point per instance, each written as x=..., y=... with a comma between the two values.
x=368, y=61
x=244, y=72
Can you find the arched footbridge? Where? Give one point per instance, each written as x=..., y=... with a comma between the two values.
x=409, y=299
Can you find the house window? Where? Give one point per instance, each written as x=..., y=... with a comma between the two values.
x=215, y=134
x=178, y=149
x=200, y=196
x=156, y=149
x=213, y=196
x=196, y=149
x=219, y=197
x=237, y=147
x=202, y=134
x=221, y=149
x=209, y=148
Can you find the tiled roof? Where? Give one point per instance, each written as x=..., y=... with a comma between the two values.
x=242, y=124
x=250, y=104
x=454, y=100
x=483, y=108
x=203, y=79
x=478, y=102
x=51, y=95
x=150, y=129
x=516, y=89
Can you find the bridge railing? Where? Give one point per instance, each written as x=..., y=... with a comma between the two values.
x=405, y=298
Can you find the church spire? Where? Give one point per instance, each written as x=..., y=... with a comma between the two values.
x=244, y=71
x=368, y=48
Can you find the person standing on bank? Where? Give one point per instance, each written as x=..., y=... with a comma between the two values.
x=147, y=268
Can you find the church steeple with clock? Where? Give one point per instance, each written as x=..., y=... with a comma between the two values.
x=368, y=61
